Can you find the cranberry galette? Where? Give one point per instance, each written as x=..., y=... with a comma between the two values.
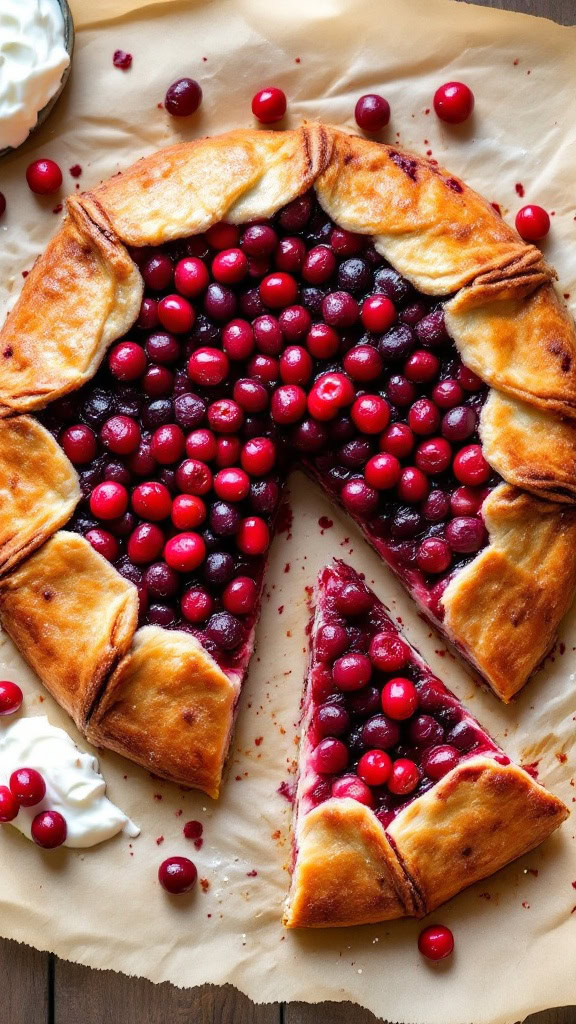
x=224, y=310
x=403, y=799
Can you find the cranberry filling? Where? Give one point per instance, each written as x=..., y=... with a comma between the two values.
x=378, y=727
x=256, y=346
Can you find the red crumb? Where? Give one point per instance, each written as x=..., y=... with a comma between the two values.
x=251, y=874
x=277, y=834
x=562, y=757
x=75, y=170
x=26, y=272
x=427, y=111
x=159, y=840
x=58, y=208
x=122, y=60
x=160, y=105
x=205, y=884
x=532, y=871
x=428, y=152
x=41, y=701
x=519, y=189
x=296, y=60
x=285, y=519
x=325, y=523
x=193, y=829
x=288, y=791
x=484, y=896
x=525, y=905
x=287, y=567
x=532, y=768
x=496, y=206
x=280, y=609
x=561, y=646
x=515, y=61
x=178, y=814
x=258, y=740
x=157, y=796
x=198, y=843
x=204, y=59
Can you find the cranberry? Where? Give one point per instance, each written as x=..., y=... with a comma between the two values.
x=466, y=534
x=438, y=761
x=404, y=777
x=11, y=697
x=44, y=177
x=352, y=788
x=183, y=97
x=108, y=500
x=340, y=309
x=331, y=640
x=79, y=444
x=413, y=485
x=253, y=537
x=433, y=555
x=459, y=423
x=197, y=605
x=145, y=544
x=201, y=444
x=397, y=440
x=331, y=720
x=232, y=484
x=372, y=112
x=177, y=875
x=229, y=266
x=295, y=365
x=399, y=698
x=309, y=436
x=465, y=501
x=260, y=240
x=425, y=731
x=162, y=347
x=354, y=276
x=49, y=829
x=378, y=313
x=295, y=322
x=382, y=471
x=240, y=596
x=104, y=543
x=158, y=381
x=436, y=507
x=422, y=367
x=250, y=395
x=319, y=265
x=208, y=367
x=346, y=243
x=120, y=434
x=27, y=786
x=423, y=417
x=161, y=580
x=463, y=735
x=436, y=942
x=238, y=340
x=188, y=511
x=185, y=552
x=269, y=105
x=389, y=653
x=380, y=732
x=151, y=501
x=223, y=236
x=228, y=452
x=176, y=314
x=9, y=805
x=329, y=394
x=389, y=282
x=290, y=254
x=330, y=756
x=447, y=394
x=220, y=302
x=225, y=416
x=358, y=498
x=258, y=456
x=351, y=671
x=532, y=223
x=288, y=404
x=148, y=315
x=431, y=329
x=363, y=363
x=374, y=767
x=469, y=380
x=371, y=414
x=127, y=361
x=353, y=599
x=225, y=630
x=322, y=341
x=400, y=391
x=434, y=456
x=191, y=277
x=470, y=466
x=454, y=102
x=279, y=290
x=157, y=272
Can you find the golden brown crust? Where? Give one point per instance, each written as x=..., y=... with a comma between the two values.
x=81, y=294
x=502, y=609
x=72, y=616
x=38, y=488
x=479, y=817
x=346, y=871
x=169, y=707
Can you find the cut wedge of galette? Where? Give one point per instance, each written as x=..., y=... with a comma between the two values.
x=403, y=798
x=230, y=308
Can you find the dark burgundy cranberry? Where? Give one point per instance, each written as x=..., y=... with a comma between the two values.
x=396, y=344
x=353, y=599
x=124, y=526
x=380, y=732
x=436, y=507
x=311, y=299
x=128, y=570
x=205, y=333
x=251, y=304
x=183, y=97
x=406, y=523
x=390, y=283
x=117, y=471
x=355, y=453
x=97, y=407
x=158, y=413
x=224, y=518
x=354, y=275
x=129, y=401
x=331, y=720
x=219, y=568
x=431, y=331
x=425, y=731
x=295, y=216
x=466, y=534
x=220, y=302
x=310, y=436
x=331, y=641
x=264, y=496
x=259, y=240
x=161, y=580
x=413, y=313
x=459, y=423
x=90, y=477
x=342, y=428
x=364, y=702
x=225, y=630
x=162, y=347
x=400, y=390
x=161, y=615
x=189, y=410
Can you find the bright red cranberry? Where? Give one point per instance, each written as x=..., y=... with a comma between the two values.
x=382, y=471
x=329, y=394
x=225, y=416
x=352, y=671
x=319, y=265
x=330, y=756
x=9, y=805
x=240, y=596
x=347, y=243
x=404, y=777
x=374, y=767
x=258, y=456
x=185, y=552
x=232, y=484
x=322, y=341
x=228, y=452
x=397, y=440
x=279, y=290
x=268, y=335
x=230, y=266
x=447, y=394
x=358, y=498
x=331, y=640
x=104, y=543
x=453, y=102
x=436, y=942
x=11, y=697
x=183, y=97
x=296, y=366
x=253, y=537
x=352, y=788
x=378, y=313
x=423, y=417
x=191, y=277
x=201, y=444
x=269, y=105
x=120, y=434
x=388, y=652
x=27, y=786
x=470, y=466
x=413, y=485
x=176, y=314
x=288, y=404
x=152, y=501
x=158, y=381
x=197, y=605
x=193, y=477
x=251, y=395
x=422, y=366
x=340, y=309
x=399, y=698
x=372, y=112
x=438, y=761
x=290, y=255
x=466, y=501
x=157, y=272
x=433, y=555
x=466, y=534
x=79, y=444
x=145, y=544
x=532, y=223
x=44, y=177
x=238, y=340
x=259, y=240
x=223, y=236
x=188, y=511
x=49, y=829
x=127, y=361
x=371, y=414
x=177, y=875
x=363, y=363
x=141, y=462
x=108, y=500
x=434, y=456
x=208, y=366
x=469, y=380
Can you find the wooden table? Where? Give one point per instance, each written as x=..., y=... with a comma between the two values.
x=38, y=988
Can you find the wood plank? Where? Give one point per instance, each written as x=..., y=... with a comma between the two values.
x=24, y=984
x=333, y=1013
x=562, y=11
x=93, y=997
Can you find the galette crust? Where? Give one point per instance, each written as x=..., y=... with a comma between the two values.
x=169, y=707
x=72, y=616
x=38, y=488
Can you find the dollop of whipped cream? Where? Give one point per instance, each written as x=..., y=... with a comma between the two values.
x=33, y=57
x=74, y=785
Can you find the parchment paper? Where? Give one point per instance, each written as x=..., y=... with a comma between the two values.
x=515, y=933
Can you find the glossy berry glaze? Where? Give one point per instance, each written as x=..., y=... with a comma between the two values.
x=284, y=341
x=378, y=725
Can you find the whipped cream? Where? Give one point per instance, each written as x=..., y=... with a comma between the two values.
x=74, y=785
x=33, y=58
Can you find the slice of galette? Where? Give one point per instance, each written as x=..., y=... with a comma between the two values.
x=403, y=798
x=231, y=308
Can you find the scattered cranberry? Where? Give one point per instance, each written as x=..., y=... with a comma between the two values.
x=176, y=314
x=352, y=672
x=127, y=361
x=44, y=177
x=145, y=544
x=378, y=313
x=9, y=805
x=413, y=485
x=340, y=309
x=238, y=339
x=404, y=777
x=11, y=697
x=398, y=440
x=188, y=511
x=177, y=875
x=122, y=60
x=253, y=537
x=433, y=555
x=358, y=498
x=49, y=829
x=382, y=471
x=454, y=102
x=27, y=786
x=436, y=942
x=399, y=698
x=269, y=105
x=374, y=767
x=185, y=552
x=322, y=341
x=120, y=434
x=532, y=223
x=183, y=97
x=258, y=456
x=371, y=414
x=319, y=265
x=230, y=266
x=240, y=596
x=151, y=501
x=330, y=393
x=208, y=366
x=279, y=290
x=372, y=112
x=438, y=761
x=197, y=605
x=108, y=500
x=191, y=277
x=470, y=466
